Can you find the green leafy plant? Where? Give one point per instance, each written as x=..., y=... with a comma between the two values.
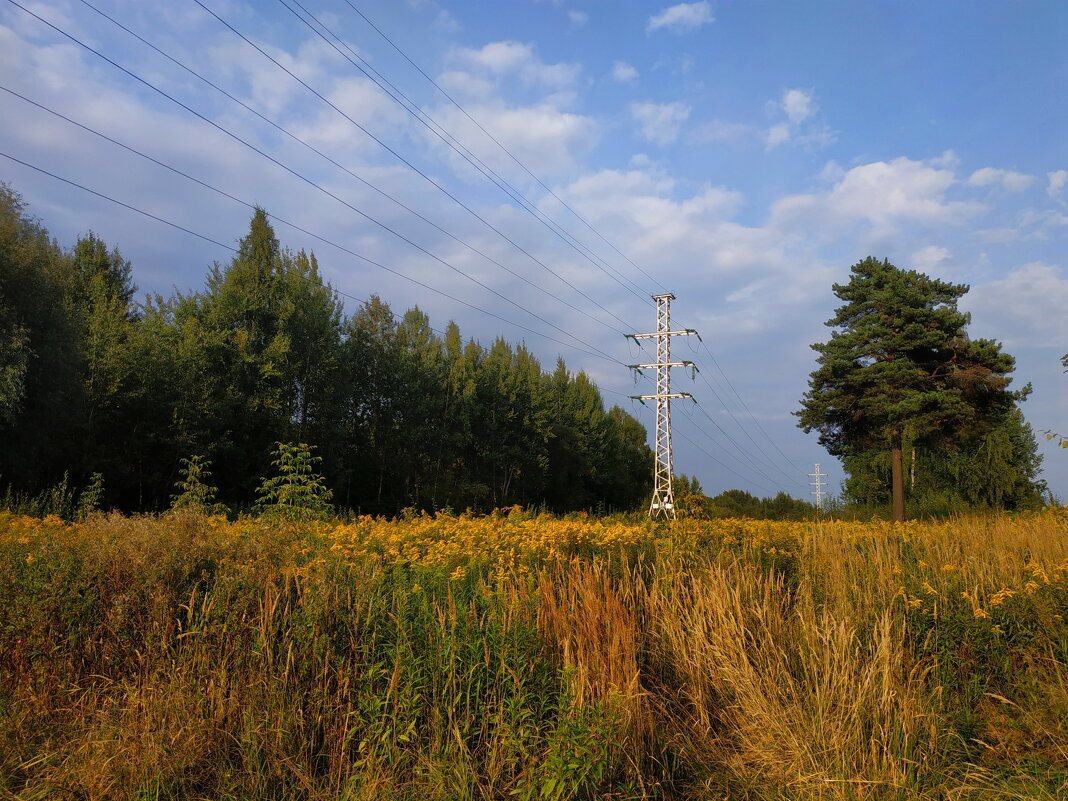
x=92, y=495
x=296, y=493
x=194, y=492
x=1062, y=441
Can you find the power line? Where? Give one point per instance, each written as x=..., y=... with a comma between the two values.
x=310, y=182
x=766, y=458
x=496, y=142
x=309, y=233
x=389, y=149
x=601, y=354
x=434, y=127
x=733, y=443
x=722, y=464
x=365, y=182
x=116, y=202
x=746, y=407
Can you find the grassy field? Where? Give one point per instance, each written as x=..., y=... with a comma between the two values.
x=529, y=657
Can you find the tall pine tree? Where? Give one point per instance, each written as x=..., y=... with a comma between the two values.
x=899, y=361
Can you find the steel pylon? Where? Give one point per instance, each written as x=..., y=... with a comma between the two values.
x=663, y=501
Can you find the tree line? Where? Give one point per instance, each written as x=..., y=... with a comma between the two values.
x=101, y=391
x=93, y=382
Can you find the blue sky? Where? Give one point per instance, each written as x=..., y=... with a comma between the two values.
x=739, y=154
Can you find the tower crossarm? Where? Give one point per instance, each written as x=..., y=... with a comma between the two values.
x=665, y=397
x=686, y=363
x=684, y=332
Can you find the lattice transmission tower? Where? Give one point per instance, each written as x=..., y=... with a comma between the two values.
x=663, y=502
x=819, y=485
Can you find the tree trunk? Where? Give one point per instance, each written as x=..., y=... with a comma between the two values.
x=897, y=477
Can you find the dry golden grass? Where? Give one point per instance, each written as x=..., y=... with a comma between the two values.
x=516, y=655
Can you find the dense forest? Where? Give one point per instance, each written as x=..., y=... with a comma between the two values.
x=93, y=381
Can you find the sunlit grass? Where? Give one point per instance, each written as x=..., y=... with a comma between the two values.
x=518, y=655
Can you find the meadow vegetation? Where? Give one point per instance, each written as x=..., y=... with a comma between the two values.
x=528, y=656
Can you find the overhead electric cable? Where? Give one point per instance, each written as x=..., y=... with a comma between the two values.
x=370, y=185
x=492, y=138
x=746, y=407
x=304, y=178
x=767, y=459
x=725, y=466
x=753, y=465
x=116, y=202
x=389, y=149
x=731, y=441
x=309, y=233
x=450, y=141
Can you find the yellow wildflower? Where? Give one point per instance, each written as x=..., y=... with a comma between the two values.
x=1002, y=595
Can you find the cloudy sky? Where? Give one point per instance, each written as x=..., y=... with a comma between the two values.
x=536, y=169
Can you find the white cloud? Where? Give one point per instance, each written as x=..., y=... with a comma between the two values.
x=467, y=84
x=797, y=104
x=1008, y=180
x=361, y=100
x=578, y=18
x=901, y=189
x=883, y=194
x=623, y=72
x=541, y=135
x=1029, y=225
x=660, y=122
x=1026, y=306
x=930, y=258
x=720, y=131
x=515, y=58
x=777, y=135
x=1057, y=181
x=947, y=159
x=446, y=22
x=681, y=18
x=832, y=172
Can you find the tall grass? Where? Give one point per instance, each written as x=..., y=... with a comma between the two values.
x=516, y=656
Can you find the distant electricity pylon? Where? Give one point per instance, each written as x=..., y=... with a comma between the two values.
x=818, y=492
x=663, y=502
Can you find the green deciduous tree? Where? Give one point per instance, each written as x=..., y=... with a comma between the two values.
x=899, y=363
x=102, y=304
x=41, y=393
x=296, y=492
x=194, y=493
x=259, y=349
x=997, y=467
